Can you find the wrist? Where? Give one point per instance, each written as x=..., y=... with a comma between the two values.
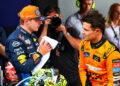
x=65, y=31
x=46, y=26
x=67, y=34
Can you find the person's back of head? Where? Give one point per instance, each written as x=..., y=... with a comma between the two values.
x=110, y=14
x=96, y=20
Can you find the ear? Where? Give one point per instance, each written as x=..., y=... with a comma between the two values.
x=98, y=30
x=26, y=20
x=61, y=16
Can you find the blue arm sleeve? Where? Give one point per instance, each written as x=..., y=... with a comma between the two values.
x=19, y=57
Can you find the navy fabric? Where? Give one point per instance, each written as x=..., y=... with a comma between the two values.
x=9, y=10
x=20, y=48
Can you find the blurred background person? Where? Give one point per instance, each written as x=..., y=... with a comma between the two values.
x=112, y=30
x=3, y=38
x=64, y=57
x=74, y=24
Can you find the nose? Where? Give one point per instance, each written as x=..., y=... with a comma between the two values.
x=88, y=6
x=83, y=32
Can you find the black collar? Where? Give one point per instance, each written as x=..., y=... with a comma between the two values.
x=97, y=45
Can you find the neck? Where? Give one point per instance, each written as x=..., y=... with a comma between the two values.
x=82, y=13
x=97, y=39
x=26, y=28
x=116, y=23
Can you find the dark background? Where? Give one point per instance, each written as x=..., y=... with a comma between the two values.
x=9, y=10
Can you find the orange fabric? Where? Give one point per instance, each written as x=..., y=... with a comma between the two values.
x=29, y=12
x=98, y=63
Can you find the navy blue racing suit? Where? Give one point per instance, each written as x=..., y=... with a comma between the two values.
x=21, y=50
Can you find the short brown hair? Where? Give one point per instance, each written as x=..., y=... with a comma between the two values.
x=96, y=20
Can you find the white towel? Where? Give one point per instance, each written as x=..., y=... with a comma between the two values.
x=44, y=59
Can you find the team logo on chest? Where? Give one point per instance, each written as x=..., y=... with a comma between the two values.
x=86, y=54
x=96, y=58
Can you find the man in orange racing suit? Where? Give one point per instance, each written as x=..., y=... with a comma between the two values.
x=98, y=57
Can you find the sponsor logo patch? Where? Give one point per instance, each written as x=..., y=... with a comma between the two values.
x=93, y=68
x=16, y=44
x=27, y=41
x=116, y=74
x=22, y=58
x=116, y=78
x=17, y=49
x=20, y=52
x=21, y=37
x=116, y=61
x=96, y=58
x=29, y=47
x=34, y=39
x=86, y=54
x=116, y=69
x=35, y=56
x=37, y=12
x=116, y=65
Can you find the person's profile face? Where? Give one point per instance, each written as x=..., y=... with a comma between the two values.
x=88, y=33
x=34, y=25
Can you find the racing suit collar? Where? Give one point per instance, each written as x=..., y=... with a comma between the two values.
x=24, y=31
x=100, y=43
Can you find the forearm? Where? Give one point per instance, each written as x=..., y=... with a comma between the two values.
x=74, y=42
x=2, y=49
x=43, y=33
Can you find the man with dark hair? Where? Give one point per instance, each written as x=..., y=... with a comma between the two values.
x=98, y=57
x=64, y=57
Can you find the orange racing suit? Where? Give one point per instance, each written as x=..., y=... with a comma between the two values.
x=102, y=63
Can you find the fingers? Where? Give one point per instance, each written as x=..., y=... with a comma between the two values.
x=45, y=48
x=47, y=21
x=43, y=42
x=61, y=28
x=49, y=46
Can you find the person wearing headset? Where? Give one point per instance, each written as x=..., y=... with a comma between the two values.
x=112, y=31
x=74, y=24
x=73, y=33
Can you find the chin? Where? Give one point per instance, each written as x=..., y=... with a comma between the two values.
x=85, y=39
x=35, y=30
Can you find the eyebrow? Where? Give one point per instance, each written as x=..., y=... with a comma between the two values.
x=85, y=29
